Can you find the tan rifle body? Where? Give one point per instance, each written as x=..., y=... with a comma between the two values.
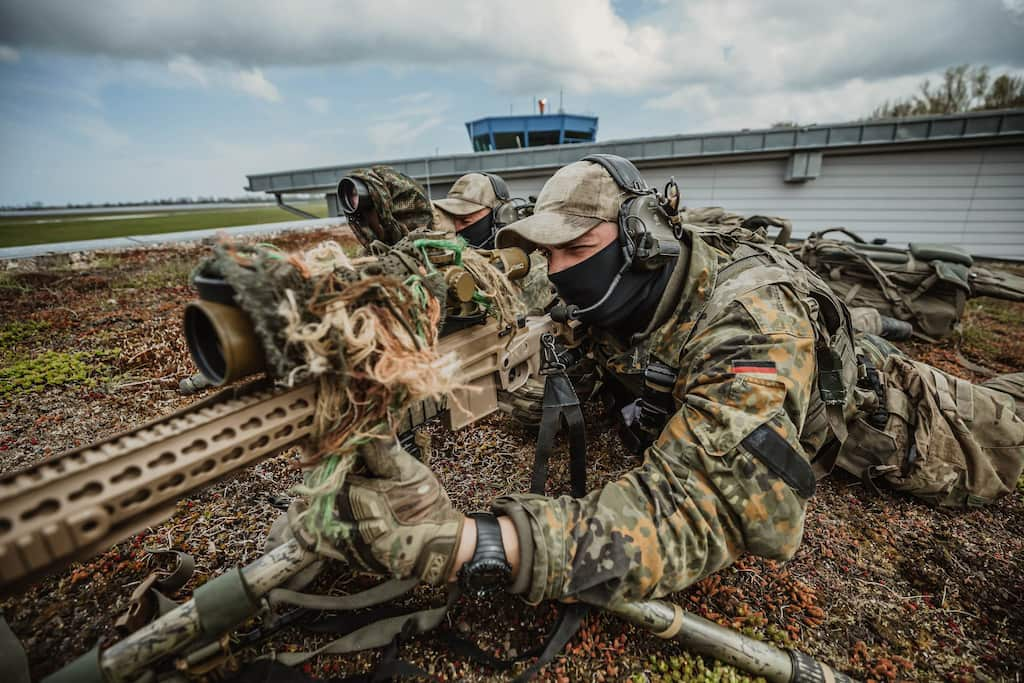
x=81, y=502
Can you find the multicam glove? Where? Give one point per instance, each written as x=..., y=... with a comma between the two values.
x=402, y=521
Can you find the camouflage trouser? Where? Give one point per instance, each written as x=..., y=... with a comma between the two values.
x=938, y=437
x=1012, y=385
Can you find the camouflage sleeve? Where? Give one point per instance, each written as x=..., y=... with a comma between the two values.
x=535, y=288
x=704, y=493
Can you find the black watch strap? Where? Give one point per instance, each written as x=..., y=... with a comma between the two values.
x=488, y=538
x=488, y=570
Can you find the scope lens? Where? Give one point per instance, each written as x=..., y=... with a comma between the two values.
x=204, y=345
x=353, y=195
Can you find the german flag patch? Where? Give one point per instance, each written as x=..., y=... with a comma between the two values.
x=753, y=367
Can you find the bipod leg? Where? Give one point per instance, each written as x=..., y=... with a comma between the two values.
x=704, y=637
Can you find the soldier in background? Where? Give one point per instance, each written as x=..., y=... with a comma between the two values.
x=474, y=209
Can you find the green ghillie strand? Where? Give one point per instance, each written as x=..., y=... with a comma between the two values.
x=455, y=246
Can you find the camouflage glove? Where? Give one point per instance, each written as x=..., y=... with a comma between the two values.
x=402, y=521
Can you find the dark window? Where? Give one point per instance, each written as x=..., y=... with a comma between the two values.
x=482, y=143
x=508, y=140
x=579, y=136
x=543, y=137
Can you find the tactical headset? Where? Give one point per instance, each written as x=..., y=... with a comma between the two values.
x=508, y=209
x=646, y=236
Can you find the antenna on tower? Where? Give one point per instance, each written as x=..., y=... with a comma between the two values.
x=561, y=109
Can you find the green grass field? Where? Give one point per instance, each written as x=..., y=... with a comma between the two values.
x=43, y=229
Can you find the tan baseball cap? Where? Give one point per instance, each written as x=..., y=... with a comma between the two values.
x=576, y=199
x=469, y=194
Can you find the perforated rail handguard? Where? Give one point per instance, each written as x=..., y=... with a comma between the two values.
x=81, y=502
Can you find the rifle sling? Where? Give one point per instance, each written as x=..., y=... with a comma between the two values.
x=388, y=625
x=561, y=404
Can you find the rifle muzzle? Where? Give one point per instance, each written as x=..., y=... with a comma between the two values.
x=222, y=342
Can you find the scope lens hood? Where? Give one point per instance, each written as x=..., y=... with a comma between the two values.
x=354, y=195
x=214, y=289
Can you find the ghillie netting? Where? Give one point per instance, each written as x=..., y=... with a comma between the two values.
x=366, y=329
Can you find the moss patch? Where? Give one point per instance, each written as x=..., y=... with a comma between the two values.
x=20, y=331
x=690, y=668
x=55, y=368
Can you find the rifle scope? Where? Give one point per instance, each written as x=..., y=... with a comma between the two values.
x=222, y=342
x=354, y=195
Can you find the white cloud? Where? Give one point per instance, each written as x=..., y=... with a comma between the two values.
x=534, y=45
x=318, y=105
x=539, y=45
x=183, y=65
x=714, y=108
x=253, y=82
x=8, y=55
x=99, y=132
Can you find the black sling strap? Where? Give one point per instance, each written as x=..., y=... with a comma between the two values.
x=560, y=404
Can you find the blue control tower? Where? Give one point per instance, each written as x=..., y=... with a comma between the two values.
x=514, y=132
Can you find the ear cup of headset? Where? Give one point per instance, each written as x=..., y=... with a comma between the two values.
x=504, y=214
x=499, y=186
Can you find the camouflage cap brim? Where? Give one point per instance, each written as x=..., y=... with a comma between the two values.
x=458, y=207
x=545, y=229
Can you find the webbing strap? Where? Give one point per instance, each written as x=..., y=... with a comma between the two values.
x=376, y=634
x=561, y=404
x=943, y=391
x=965, y=400
x=389, y=590
x=570, y=622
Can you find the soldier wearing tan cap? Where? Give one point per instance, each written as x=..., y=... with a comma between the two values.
x=477, y=206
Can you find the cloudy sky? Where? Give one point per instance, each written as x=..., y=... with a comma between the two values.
x=132, y=99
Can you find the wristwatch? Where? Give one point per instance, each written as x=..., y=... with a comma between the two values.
x=488, y=571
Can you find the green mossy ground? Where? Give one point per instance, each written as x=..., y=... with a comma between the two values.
x=56, y=369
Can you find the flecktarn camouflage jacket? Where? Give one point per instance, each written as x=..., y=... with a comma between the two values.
x=729, y=472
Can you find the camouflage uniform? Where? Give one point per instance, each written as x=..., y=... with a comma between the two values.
x=747, y=377
x=400, y=204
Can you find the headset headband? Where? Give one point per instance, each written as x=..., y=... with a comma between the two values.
x=498, y=185
x=622, y=171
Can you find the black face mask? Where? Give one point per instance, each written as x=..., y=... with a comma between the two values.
x=481, y=233
x=630, y=306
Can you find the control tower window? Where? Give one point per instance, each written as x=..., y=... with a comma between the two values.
x=543, y=137
x=579, y=136
x=508, y=140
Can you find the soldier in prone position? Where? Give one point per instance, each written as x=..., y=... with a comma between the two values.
x=765, y=383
